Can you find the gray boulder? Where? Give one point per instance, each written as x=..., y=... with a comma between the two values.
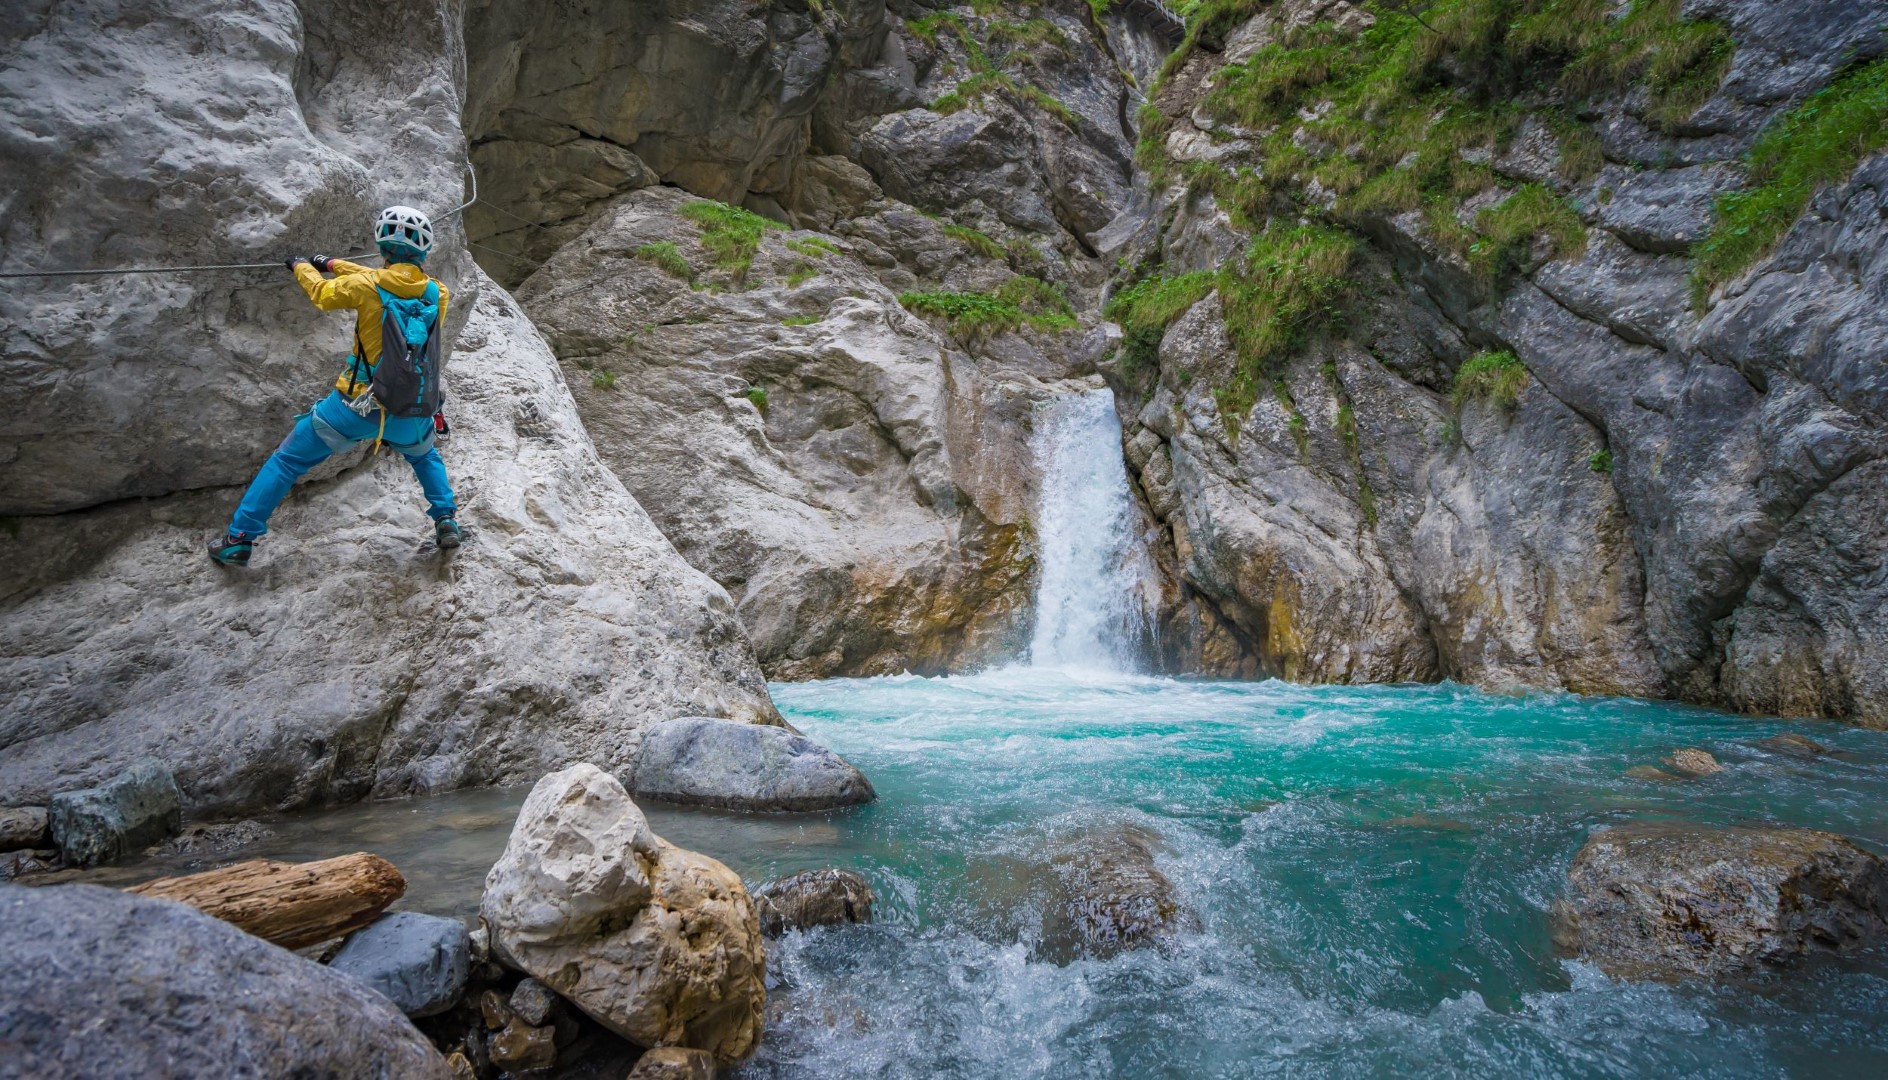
x=725, y=763
x=830, y=897
x=418, y=962
x=137, y=808
x=105, y=985
x=22, y=827
x=1666, y=900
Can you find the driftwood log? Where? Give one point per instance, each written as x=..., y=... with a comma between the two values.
x=290, y=904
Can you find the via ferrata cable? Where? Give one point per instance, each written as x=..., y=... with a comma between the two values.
x=211, y=267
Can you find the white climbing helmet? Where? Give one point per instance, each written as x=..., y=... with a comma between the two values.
x=404, y=225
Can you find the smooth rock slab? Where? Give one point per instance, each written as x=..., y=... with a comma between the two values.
x=137, y=808
x=419, y=962
x=109, y=986
x=740, y=766
x=22, y=827
x=829, y=897
x=660, y=945
x=1665, y=900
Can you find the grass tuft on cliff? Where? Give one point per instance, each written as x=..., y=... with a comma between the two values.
x=731, y=234
x=1017, y=303
x=1495, y=377
x=1819, y=142
x=669, y=258
x=1146, y=308
x=979, y=242
x=1289, y=287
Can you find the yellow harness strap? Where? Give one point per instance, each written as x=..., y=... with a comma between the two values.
x=381, y=432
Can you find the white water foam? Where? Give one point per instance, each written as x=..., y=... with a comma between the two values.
x=1097, y=583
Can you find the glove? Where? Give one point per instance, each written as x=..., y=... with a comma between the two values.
x=323, y=262
x=291, y=261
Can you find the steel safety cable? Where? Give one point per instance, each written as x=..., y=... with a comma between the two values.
x=209, y=267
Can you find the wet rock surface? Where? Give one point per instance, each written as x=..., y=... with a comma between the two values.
x=418, y=962
x=1112, y=896
x=673, y=1063
x=830, y=897
x=736, y=766
x=660, y=945
x=108, y=985
x=127, y=813
x=1658, y=900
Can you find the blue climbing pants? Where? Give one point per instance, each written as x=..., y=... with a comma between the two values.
x=330, y=427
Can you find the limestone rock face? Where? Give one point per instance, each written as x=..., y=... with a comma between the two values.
x=1669, y=900
x=738, y=766
x=1681, y=501
x=858, y=482
x=104, y=984
x=572, y=103
x=350, y=659
x=658, y=944
x=198, y=133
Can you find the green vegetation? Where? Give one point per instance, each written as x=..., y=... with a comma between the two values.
x=799, y=273
x=1031, y=34
x=813, y=247
x=603, y=379
x=1819, y=142
x=731, y=234
x=1601, y=461
x=757, y=395
x=1017, y=303
x=1021, y=41
x=801, y=320
x=1146, y=308
x=1290, y=286
x=1494, y=377
x=1409, y=114
x=669, y=258
x=976, y=241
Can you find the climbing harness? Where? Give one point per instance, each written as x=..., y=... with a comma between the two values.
x=215, y=267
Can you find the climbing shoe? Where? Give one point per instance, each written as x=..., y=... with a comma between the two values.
x=232, y=549
x=446, y=534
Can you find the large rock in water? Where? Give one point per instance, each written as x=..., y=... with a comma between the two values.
x=135, y=809
x=104, y=985
x=1668, y=900
x=830, y=897
x=1112, y=897
x=710, y=762
x=348, y=660
x=658, y=944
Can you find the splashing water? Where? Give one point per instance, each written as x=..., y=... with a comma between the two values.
x=1373, y=871
x=1096, y=576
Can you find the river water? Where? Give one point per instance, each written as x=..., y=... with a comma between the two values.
x=1371, y=871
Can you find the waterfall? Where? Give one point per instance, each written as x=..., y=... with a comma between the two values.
x=1097, y=578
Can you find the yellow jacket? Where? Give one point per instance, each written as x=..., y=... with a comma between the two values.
x=354, y=286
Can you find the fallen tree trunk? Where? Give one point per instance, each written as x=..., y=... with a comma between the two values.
x=290, y=904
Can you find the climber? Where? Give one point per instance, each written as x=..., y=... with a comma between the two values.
x=390, y=391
